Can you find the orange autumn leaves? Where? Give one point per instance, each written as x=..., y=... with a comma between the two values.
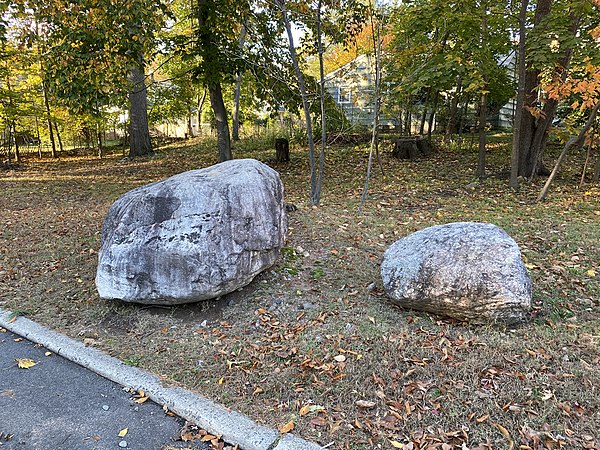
x=582, y=84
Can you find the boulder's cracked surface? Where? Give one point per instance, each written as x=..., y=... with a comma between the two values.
x=194, y=236
x=469, y=271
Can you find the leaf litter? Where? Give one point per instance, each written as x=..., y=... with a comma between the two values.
x=313, y=340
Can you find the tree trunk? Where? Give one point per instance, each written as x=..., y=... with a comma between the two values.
x=534, y=130
x=317, y=194
x=99, y=142
x=45, y=94
x=201, y=100
x=49, y=120
x=190, y=128
x=235, y=125
x=60, y=144
x=218, y=106
x=432, y=114
x=482, y=136
x=7, y=142
x=452, y=118
x=424, y=115
x=139, y=134
x=483, y=102
x=377, y=42
x=37, y=132
x=17, y=152
x=517, y=122
x=212, y=78
x=309, y=131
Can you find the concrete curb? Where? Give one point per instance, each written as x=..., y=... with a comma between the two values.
x=235, y=427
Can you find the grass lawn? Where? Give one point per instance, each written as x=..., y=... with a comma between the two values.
x=314, y=339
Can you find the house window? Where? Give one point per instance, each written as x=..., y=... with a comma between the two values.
x=344, y=95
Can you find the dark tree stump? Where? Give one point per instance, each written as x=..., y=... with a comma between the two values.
x=282, y=150
x=405, y=148
x=411, y=147
x=424, y=146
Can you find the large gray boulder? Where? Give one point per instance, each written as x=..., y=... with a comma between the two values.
x=469, y=271
x=194, y=236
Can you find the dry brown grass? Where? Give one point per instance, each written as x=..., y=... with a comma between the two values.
x=274, y=349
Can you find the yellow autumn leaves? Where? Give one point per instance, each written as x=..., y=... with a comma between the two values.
x=25, y=363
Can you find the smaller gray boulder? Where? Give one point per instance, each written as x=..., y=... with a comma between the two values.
x=194, y=236
x=466, y=270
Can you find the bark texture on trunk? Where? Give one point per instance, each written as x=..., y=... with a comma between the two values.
x=518, y=119
x=317, y=194
x=432, y=114
x=201, y=100
x=49, y=121
x=212, y=69
x=15, y=138
x=235, y=124
x=482, y=136
x=452, y=118
x=139, y=134
x=60, y=143
x=309, y=130
x=534, y=128
x=218, y=106
x=483, y=109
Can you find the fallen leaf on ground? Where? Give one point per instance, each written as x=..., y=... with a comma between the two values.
x=287, y=427
x=25, y=363
x=123, y=432
x=191, y=431
x=319, y=421
x=365, y=404
x=506, y=434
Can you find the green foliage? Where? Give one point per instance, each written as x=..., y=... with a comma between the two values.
x=90, y=46
x=216, y=29
x=428, y=53
x=550, y=41
x=169, y=102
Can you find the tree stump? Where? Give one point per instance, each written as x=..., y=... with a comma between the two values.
x=424, y=146
x=409, y=147
x=282, y=150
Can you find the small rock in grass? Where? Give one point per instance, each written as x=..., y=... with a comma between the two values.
x=105, y=407
x=123, y=444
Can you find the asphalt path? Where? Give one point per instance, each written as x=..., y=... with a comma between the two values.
x=59, y=405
